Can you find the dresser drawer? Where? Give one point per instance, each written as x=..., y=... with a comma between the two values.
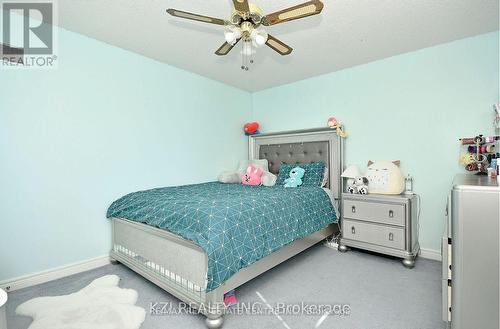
x=392, y=237
x=384, y=213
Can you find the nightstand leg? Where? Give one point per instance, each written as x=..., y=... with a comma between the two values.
x=409, y=262
x=343, y=248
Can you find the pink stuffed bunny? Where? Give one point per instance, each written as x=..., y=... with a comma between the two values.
x=253, y=176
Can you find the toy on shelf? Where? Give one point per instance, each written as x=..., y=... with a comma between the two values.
x=385, y=177
x=478, y=153
x=382, y=177
x=251, y=128
x=360, y=186
x=334, y=124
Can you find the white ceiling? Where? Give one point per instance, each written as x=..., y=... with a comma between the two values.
x=347, y=33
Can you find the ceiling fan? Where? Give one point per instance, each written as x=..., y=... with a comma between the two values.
x=245, y=24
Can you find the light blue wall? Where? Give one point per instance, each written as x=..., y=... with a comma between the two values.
x=108, y=122
x=105, y=123
x=411, y=107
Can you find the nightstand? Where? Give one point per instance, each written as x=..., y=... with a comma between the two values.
x=385, y=224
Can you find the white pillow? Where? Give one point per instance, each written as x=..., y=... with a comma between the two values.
x=229, y=177
x=268, y=179
x=326, y=176
x=261, y=164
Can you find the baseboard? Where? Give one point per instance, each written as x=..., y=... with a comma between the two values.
x=430, y=254
x=53, y=274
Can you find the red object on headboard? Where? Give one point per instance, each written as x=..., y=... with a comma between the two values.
x=251, y=127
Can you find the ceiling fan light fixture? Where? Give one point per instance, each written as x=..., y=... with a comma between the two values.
x=260, y=40
x=232, y=34
x=259, y=37
x=230, y=37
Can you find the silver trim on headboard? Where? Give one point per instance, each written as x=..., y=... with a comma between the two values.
x=335, y=149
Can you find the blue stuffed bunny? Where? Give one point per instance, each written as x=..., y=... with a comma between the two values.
x=295, y=179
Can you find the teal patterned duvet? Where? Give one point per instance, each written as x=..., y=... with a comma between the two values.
x=235, y=224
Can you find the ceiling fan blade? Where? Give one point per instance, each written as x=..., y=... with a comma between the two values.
x=225, y=48
x=195, y=17
x=300, y=11
x=278, y=46
x=241, y=6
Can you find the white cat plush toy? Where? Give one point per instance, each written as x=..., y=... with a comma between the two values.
x=385, y=177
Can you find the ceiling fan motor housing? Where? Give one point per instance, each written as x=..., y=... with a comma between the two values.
x=246, y=30
x=254, y=16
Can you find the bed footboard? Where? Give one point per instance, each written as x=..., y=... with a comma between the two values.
x=177, y=265
x=180, y=266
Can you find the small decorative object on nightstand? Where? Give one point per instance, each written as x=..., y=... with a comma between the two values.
x=381, y=223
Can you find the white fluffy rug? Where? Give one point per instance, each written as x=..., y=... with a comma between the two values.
x=100, y=305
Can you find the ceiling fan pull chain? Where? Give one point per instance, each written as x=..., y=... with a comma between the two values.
x=251, y=53
x=246, y=55
x=243, y=55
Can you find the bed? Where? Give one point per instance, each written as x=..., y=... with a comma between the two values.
x=215, y=247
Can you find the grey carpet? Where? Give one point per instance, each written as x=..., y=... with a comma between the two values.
x=382, y=294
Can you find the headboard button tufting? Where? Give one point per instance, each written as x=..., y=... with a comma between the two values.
x=297, y=151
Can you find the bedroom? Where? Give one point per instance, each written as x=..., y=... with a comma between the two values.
x=129, y=98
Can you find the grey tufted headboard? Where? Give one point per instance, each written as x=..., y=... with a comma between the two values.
x=302, y=146
x=289, y=153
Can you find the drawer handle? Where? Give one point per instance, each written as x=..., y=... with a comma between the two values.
x=391, y=236
x=353, y=230
x=353, y=209
x=391, y=213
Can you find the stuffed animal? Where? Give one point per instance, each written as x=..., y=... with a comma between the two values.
x=360, y=186
x=334, y=124
x=385, y=177
x=295, y=179
x=235, y=176
x=251, y=128
x=352, y=189
x=252, y=176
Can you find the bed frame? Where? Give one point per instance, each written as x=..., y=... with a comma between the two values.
x=180, y=267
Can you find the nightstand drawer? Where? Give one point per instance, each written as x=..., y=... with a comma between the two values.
x=392, y=237
x=393, y=214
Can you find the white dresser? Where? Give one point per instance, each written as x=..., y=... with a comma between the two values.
x=3, y=304
x=381, y=223
x=470, y=250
